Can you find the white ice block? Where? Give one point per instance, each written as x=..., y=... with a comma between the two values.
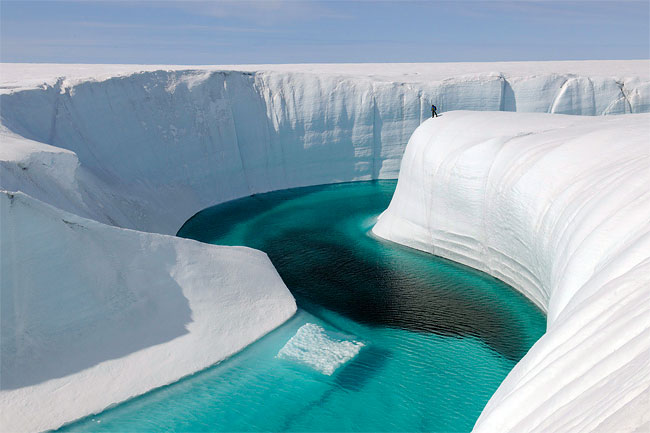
x=321, y=350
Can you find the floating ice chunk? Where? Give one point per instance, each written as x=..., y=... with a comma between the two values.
x=318, y=349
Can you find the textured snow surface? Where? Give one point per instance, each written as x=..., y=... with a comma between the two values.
x=93, y=315
x=98, y=149
x=559, y=207
x=322, y=351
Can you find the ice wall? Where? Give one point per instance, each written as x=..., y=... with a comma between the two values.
x=559, y=207
x=93, y=315
x=194, y=138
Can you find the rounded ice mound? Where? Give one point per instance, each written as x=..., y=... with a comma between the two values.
x=321, y=350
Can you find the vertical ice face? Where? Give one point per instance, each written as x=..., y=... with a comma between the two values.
x=557, y=206
x=198, y=137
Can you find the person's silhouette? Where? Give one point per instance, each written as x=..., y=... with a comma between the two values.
x=434, y=111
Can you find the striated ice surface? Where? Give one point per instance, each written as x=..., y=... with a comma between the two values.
x=559, y=207
x=323, y=351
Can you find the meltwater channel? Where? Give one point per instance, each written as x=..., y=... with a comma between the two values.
x=386, y=338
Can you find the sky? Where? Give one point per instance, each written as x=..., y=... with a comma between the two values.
x=303, y=31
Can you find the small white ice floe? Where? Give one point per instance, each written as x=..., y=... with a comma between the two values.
x=320, y=350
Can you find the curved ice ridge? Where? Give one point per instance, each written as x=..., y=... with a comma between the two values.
x=145, y=147
x=558, y=207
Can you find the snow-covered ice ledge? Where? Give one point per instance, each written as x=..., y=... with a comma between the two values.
x=559, y=207
x=93, y=315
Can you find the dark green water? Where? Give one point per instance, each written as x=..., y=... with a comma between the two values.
x=438, y=337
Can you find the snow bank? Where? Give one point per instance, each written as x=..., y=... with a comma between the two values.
x=93, y=315
x=558, y=207
x=206, y=135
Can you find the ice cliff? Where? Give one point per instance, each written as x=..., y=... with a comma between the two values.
x=99, y=149
x=559, y=207
x=194, y=138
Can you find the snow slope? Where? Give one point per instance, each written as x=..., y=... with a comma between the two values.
x=93, y=315
x=146, y=147
x=558, y=207
x=202, y=136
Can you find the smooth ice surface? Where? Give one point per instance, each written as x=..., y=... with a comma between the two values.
x=323, y=352
x=93, y=315
x=559, y=207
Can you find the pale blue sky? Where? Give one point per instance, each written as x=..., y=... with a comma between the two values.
x=230, y=32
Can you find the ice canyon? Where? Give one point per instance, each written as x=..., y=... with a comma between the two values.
x=100, y=164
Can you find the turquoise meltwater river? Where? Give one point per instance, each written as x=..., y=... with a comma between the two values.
x=386, y=338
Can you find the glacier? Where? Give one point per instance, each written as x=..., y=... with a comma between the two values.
x=99, y=163
x=558, y=207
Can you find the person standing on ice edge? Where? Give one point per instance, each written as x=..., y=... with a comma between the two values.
x=434, y=111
